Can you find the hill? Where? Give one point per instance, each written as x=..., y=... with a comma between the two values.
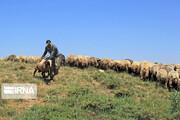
x=87, y=94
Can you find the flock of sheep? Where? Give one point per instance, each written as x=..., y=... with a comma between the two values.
x=23, y=58
x=167, y=75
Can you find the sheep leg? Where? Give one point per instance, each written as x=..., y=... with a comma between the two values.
x=35, y=72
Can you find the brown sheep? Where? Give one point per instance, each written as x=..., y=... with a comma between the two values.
x=94, y=61
x=151, y=65
x=82, y=61
x=135, y=68
x=17, y=59
x=105, y=63
x=131, y=61
x=121, y=65
x=169, y=67
x=128, y=65
x=177, y=66
x=71, y=60
x=113, y=65
x=162, y=77
x=30, y=59
x=23, y=58
x=154, y=70
x=11, y=57
x=173, y=78
x=86, y=61
x=36, y=58
x=42, y=67
x=79, y=61
x=144, y=70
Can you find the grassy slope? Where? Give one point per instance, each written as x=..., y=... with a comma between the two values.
x=87, y=94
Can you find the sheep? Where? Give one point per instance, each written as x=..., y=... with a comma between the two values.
x=135, y=67
x=151, y=65
x=122, y=65
x=11, y=57
x=17, y=59
x=162, y=77
x=30, y=59
x=85, y=61
x=23, y=58
x=94, y=61
x=78, y=61
x=173, y=78
x=154, y=70
x=42, y=67
x=71, y=60
x=36, y=58
x=128, y=65
x=169, y=67
x=113, y=65
x=105, y=63
x=177, y=66
x=144, y=70
x=131, y=61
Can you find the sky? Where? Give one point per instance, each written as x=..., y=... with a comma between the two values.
x=117, y=29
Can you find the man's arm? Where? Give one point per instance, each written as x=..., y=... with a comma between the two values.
x=45, y=52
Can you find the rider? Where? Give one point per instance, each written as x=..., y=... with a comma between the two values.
x=52, y=49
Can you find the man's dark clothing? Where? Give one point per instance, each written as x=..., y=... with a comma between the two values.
x=53, y=54
x=52, y=50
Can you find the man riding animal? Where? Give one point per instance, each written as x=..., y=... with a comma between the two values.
x=52, y=49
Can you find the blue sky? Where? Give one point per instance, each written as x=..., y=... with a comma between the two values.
x=116, y=29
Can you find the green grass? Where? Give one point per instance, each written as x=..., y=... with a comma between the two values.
x=88, y=94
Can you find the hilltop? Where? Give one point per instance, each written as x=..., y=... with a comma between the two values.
x=87, y=94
